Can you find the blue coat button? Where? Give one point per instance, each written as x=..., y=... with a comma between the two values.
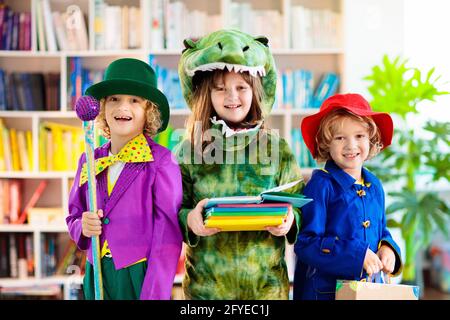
x=105, y=221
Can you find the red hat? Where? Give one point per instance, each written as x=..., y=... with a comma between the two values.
x=354, y=103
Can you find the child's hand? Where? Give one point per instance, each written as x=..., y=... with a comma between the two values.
x=91, y=224
x=283, y=228
x=195, y=221
x=372, y=264
x=387, y=257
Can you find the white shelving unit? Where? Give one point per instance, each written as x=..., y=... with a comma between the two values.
x=319, y=60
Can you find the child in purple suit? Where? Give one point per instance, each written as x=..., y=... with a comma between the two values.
x=139, y=190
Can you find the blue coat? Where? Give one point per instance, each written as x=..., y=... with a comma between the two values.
x=337, y=228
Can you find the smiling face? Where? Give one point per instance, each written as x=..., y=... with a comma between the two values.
x=125, y=116
x=350, y=145
x=230, y=50
x=231, y=98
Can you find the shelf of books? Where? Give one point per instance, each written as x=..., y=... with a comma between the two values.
x=52, y=50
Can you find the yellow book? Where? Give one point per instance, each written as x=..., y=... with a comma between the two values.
x=49, y=149
x=23, y=153
x=68, y=149
x=78, y=150
x=2, y=155
x=42, y=148
x=14, y=150
x=29, y=139
x=64, y=158
x=7, y=149
x=59, y=157
x=250, y=224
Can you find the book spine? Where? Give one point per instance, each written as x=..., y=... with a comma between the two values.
x=14, y=149
x=48, y=25
x=29, y=139
x=9, y=30
x=40, y=26
x=13, y=272
x=99, y=24
x=15, y=31
x=23, y=154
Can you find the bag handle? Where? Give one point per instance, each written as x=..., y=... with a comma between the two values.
x=380, y=277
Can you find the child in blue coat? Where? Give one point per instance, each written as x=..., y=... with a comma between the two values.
x=344, y=233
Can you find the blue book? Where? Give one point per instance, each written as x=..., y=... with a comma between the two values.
x=27, y=87
x=297, y=92
x=11, y=94
x=308, y=88
x=3, y=97
x=8, y=30
x=288, y=89
x=327, y=87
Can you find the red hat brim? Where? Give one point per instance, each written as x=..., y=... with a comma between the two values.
x=310, y=124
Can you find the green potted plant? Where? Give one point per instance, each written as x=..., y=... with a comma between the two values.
x=398, y=89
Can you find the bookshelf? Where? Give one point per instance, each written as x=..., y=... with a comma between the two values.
x=318, y=57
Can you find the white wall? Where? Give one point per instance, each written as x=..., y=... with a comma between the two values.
x=427, y=43
x=415, y=29
x=372, y=28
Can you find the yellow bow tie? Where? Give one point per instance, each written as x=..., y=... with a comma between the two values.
x=136, y=150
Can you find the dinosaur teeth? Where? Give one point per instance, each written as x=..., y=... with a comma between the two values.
x=254, y=71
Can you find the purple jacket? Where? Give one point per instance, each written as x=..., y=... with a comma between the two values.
x=143, y=217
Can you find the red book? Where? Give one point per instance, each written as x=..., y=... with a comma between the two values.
x=34, y=198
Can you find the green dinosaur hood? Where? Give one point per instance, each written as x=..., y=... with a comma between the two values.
x=234, y=50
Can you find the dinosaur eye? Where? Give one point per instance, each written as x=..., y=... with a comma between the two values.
x=245, y=48
x=188, y=44
x=220, y=45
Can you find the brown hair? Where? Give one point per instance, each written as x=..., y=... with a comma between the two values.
x=327, y=128
x=203, y=110
x=152, y=119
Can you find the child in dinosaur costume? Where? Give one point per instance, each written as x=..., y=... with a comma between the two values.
x=228, y=79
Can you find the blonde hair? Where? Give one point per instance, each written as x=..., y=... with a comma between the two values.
x=203, y=110
x=327, y=128
x=152, y=119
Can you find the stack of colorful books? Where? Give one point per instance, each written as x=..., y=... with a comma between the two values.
x=246, y=217
x=251, y=213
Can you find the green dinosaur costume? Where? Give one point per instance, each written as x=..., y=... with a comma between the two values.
x=235, y=265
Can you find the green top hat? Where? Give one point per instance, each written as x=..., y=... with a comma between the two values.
x=133, y=77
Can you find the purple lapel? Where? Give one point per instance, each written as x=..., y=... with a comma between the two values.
x=126, y=177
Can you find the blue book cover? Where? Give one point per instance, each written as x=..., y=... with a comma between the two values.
x=288, y=89
x=327, y=87
x=272, y=195
x=309, y=85
x=3, y=97
x=297, y=92
x=11, y=93
x=7, y=31
x=27, y=87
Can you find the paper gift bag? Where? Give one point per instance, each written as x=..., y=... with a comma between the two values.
x=378, y=290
